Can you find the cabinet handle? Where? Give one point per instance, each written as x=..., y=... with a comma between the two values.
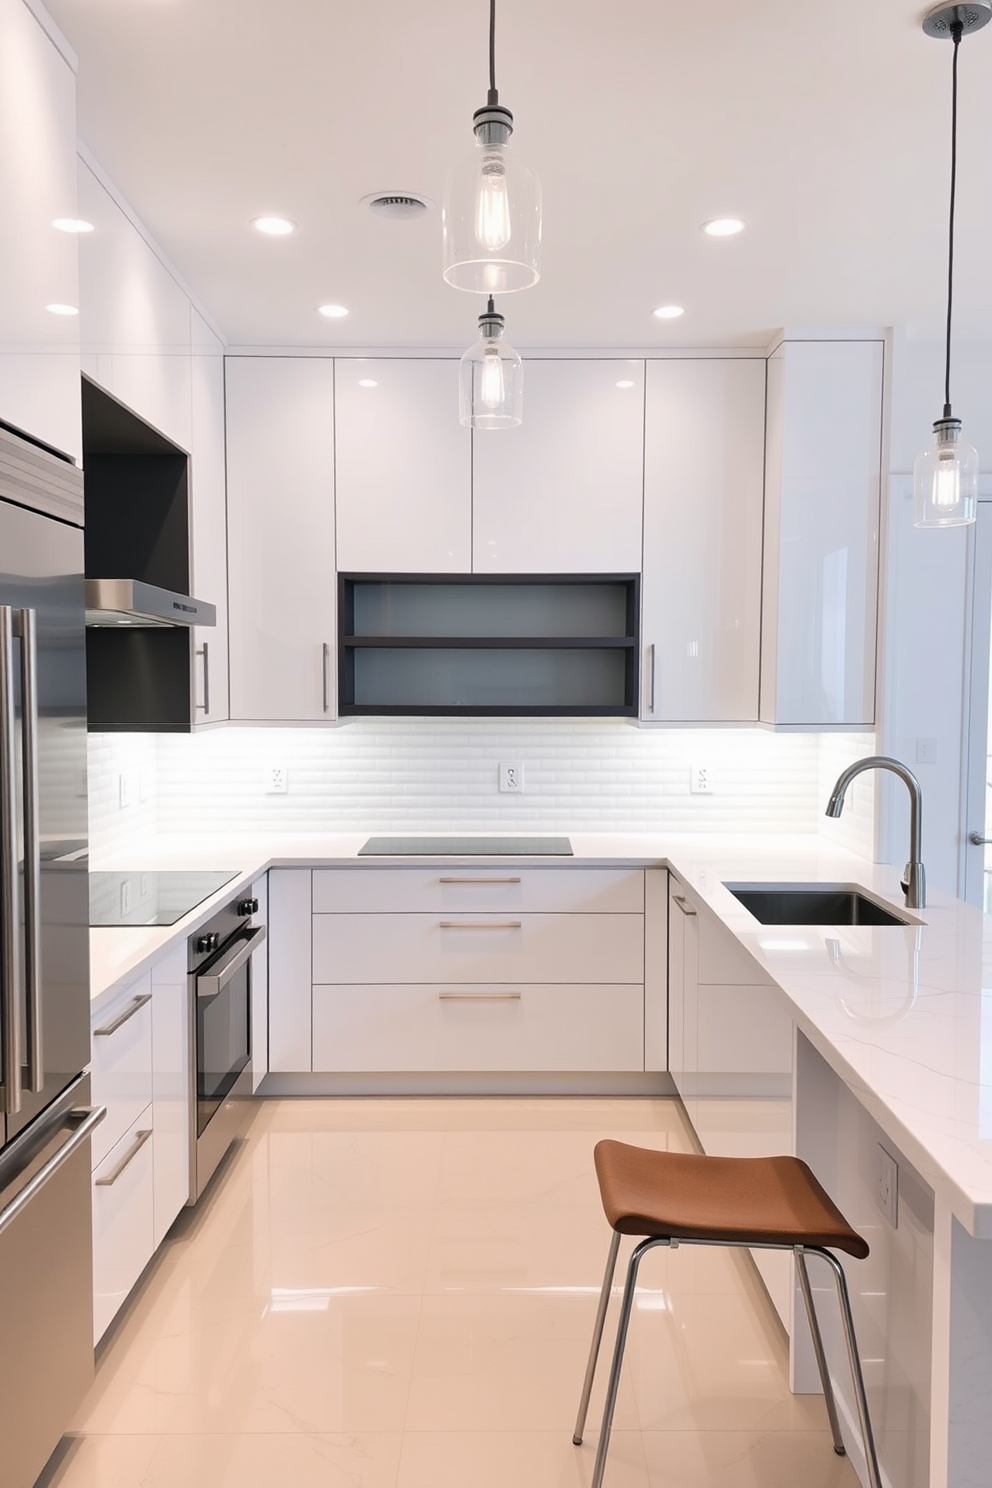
x=83, y=1119
x=140, y=1138
x=122, y=1018
x=204, y=651
x=479, y=880
x=480, y=924
x=480, y=996
x=651, y=676
x=325, y=657
x=683, y=905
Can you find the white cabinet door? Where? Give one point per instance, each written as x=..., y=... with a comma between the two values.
x=683, y=991
x=562, y=492
x=280, y=496
x=134, y=318
x=208, y=518
x=39, y=351
x=260, y=989
x=703, y=482
x=290, y=976
x=656, y=969
x=403, y=467
x=123, y=1242
x=821, y=533
x=170, y=1088
x=121, y=1062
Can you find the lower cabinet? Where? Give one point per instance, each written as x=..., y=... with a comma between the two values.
x=123, y=1221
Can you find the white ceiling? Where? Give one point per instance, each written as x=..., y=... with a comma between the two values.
x=825, y=125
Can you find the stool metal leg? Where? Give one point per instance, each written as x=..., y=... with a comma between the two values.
x=611, y=1390
x=821, y=1358
x=597, y=1338
x=860, y=1395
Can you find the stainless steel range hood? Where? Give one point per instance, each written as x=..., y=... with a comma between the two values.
x=132, y=602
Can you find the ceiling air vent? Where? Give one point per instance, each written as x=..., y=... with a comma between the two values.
x=398, y=205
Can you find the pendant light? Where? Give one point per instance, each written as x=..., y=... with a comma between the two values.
x=491, y=213
x=945, y=476
x=490, y=378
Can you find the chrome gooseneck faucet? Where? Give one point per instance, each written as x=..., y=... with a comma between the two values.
x=914, y=878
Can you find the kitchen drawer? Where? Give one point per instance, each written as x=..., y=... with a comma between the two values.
x=121, y=1042
x=525, y=1027
x=453, y=887
x=510, y=947
x=123, y=1207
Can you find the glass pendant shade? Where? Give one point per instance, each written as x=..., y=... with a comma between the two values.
x=491, y=215
x=945, y=479
x=490, y=380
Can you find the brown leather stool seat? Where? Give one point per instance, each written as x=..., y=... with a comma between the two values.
x=676, y=1198
x=729, y=1200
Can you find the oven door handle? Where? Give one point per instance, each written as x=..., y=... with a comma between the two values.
x=222, y=971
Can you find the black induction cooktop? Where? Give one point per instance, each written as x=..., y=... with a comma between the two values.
x=466, y=847
x=143, y=897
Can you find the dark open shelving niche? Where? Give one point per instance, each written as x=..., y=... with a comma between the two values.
x=488, y=645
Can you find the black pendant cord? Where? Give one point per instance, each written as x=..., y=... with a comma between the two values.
x=956, y=31
x=493, y=94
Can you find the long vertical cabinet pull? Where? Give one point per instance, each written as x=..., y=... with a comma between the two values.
x=652, y=652
x=28, y=625
x=10, y=964
x=325, y=662
x=204, y=651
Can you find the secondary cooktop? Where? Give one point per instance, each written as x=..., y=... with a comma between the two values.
x=466, y=847
x=144, y=897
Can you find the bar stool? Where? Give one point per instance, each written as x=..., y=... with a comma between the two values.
x=769, y=1203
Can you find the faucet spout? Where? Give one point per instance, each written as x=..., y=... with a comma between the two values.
x=914, y=879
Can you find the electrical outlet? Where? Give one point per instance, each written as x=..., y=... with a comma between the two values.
x=887, y=1185
x=511, y=778
x=276, y=781
x=700, y=780
x=125, y=789
x=125, y=896
x=926, y=751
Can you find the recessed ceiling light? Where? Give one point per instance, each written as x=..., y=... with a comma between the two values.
x=367, y=382
x=274, y=227
x=724, y=227
x=669, y=312
x=62, y=309
x=72, y=224
x=399, y=205
x=333, y=312
x=625, y=382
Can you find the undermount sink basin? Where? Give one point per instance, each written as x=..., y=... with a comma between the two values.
x=813, y=904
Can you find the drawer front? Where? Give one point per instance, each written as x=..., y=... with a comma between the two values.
x=123, y=1238
x=526, y=1027
x=121, y=1043
x=454, y=888
x=488, y=947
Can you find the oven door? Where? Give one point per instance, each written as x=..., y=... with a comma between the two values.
x=223, y=1022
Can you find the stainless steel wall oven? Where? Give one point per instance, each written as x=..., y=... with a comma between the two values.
x=220, y=1031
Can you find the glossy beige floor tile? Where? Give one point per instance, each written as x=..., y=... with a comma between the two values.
x=400, y=1293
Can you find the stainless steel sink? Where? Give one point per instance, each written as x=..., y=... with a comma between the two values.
x=813, y=904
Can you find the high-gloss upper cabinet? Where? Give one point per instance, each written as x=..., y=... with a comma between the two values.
x=562, y=492
x=403, y=467
x=39, y=349
x=208, y=520
x=280, y=500
x=821, y=533
x=701, y=594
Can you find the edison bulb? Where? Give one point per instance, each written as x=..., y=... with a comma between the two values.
x=492, y=203
x=945, y=479
x=492, y=389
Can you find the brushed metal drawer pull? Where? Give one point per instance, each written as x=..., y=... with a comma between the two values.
x=480, y=996
x=479, y=880
x=481, y=924
x=122, y=1018
x=140, y=1138
x=683, y=906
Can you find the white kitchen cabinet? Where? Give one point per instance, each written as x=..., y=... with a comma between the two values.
x=683, y=957
x=821, y=533
x=403, y=467
x=170, y=1089
x=656, y=969
x=121, y=1062
x=39, y=351
x=703, y=486
x=260, y=989
x=123, y=1225
x=290, y=978
x=208, y=519
x=458, y=889
x=134, y=317
x=562, y=492
x=280, y=493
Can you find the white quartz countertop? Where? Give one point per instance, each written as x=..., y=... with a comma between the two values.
x=900, y=1013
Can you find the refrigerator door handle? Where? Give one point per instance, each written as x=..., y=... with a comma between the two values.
x=26, y=623
x=82, y=1120
x=10, y=930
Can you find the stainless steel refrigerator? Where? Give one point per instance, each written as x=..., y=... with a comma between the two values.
x=46, y=1349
